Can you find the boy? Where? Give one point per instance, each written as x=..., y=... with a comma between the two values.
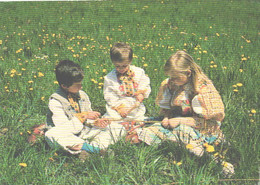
x=126, y=86
x=69, y=110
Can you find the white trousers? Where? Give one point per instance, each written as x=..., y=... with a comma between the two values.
x=102, y=138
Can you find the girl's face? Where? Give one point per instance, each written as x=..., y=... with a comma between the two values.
x=122, y=67
x=74, y=88
x=180, y=78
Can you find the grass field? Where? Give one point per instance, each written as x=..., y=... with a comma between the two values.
x=222, y=36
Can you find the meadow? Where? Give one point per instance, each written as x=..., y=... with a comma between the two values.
x=222, y=36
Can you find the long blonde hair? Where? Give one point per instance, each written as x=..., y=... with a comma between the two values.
x=183, y=62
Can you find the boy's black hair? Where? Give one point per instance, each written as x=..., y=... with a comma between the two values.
x=67, y=72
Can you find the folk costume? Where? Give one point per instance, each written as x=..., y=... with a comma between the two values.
x=205, y=107
x=120, y=91
x=65, y=127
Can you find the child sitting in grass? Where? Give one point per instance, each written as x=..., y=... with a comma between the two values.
x=192, y=110
x=126, y=86
x=70, y=119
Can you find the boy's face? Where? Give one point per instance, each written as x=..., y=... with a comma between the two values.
x=122, y=67
x=74, y=88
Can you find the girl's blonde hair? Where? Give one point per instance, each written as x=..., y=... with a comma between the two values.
x=183, y=62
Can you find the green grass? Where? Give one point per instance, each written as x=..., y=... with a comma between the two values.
x=34, y=36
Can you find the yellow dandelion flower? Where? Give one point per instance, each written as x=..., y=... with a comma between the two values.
x=101, y=84
x=42, y=98
x=21, y=133
x=1, y=42
x=145, y=65
x=31, y=89
x=239, y=84
x=56, y=82
x=23, y=165
x=212, y=62
x=179, y=163
x=56, y=55
x=189, y=146
x=211, y=66
x=253, y=111
x=235, y=90
x=84, y=49
x=210, y=148
x=23, y=69
x=205, y=51
x=240, y=70
x=215, y=66
x=216, y=154
x=101, y=77
x=234, y=86
x=244, y=59
x=13, y=71
x=87, y=67
x=250, y=115
x=210, y=27
x=104, y=70
x=224, y=67
x=248, y=41
x=217, y=34
x=30, y=81
x=252, y=121
x=28, y=131
x=40, y=74
x=155, y=69
x=224, y=163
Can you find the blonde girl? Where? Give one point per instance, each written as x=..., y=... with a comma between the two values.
x=192, y=109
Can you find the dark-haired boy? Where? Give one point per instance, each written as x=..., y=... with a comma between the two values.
x=69, y=112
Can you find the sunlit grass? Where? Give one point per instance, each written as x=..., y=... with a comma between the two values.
x=222, y=37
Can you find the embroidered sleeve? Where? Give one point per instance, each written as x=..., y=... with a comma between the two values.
x=208, y=103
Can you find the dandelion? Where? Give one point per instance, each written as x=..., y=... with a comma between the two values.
x=240, y=70
x=224, y=67
x=104, y=70
x=23, y=69
x=56, y=82
x=253, y=111
x=21, y=133
x=13, y=71
x=234, y=86
x=56, y=55
x=252, y=121
x=217, y=34
x=87, y=67
x=30, y=81
x=215, y=66
x=31, y=89
x=212, y=62
x=40, y=74
x=235, y=90
x=239, y=84
x=51, y=159
x=250, y=115
x=23, y=165
x=189, y=146
x=179, y=163
x=244, y=59
x=1, y=42
x=42, y=98
x=145, y=65
x=28, y=131
x=210, y=148
x=224, y=163
x=205, y=51
x=155, y=69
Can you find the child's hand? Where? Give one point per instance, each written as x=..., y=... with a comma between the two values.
x=139, y=97
x=123, y=112
x=174, y=122
x=91, y=115
x=101, y=123
x=165, y=122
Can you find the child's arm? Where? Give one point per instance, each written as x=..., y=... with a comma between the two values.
x=60, y=119
x=144, y=88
